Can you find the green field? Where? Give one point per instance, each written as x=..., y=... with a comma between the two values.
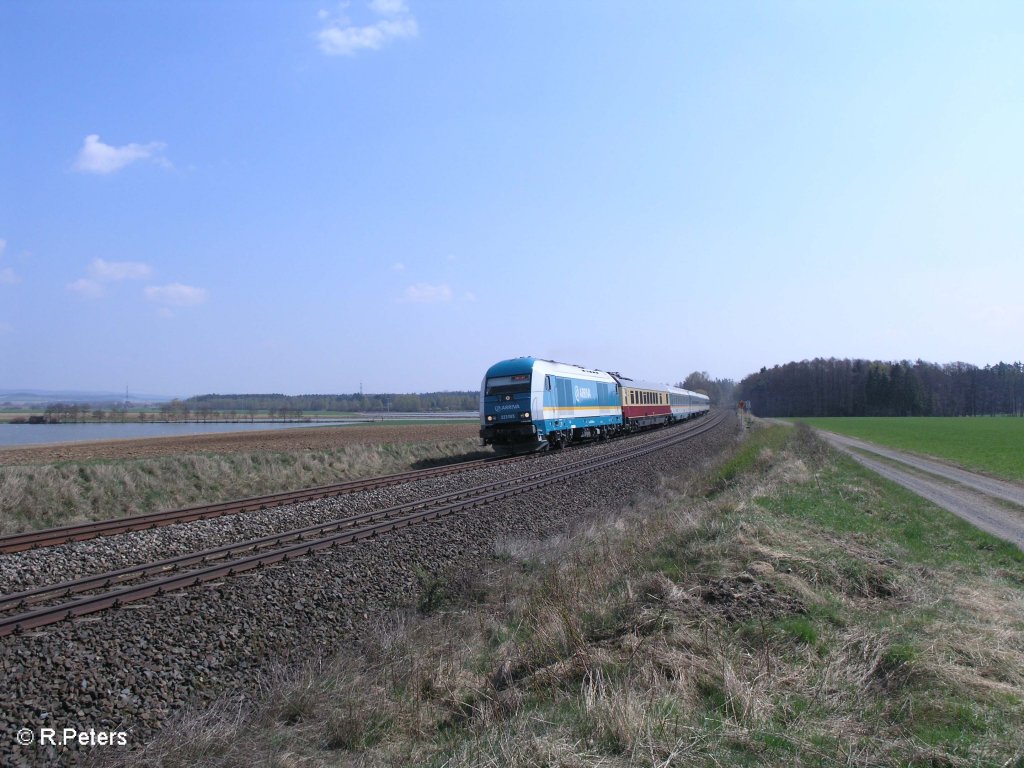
x=990, y=444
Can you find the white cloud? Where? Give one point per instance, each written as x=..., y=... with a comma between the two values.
x=97, y=157
x=108, y=271
x=102, y=272
x=176, y=295
x=87, y=289
x=343, y=38
x=426, y=293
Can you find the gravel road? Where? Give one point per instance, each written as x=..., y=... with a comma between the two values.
x=980, y=500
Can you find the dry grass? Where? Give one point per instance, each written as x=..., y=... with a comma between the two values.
x=704, y=626
x=43, y=496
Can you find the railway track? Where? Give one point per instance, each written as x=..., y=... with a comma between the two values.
x=51, y=537
x=257, y=553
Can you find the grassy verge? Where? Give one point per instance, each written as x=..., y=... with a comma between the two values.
x=983, y=443
x=47, y=495
x=788, y=608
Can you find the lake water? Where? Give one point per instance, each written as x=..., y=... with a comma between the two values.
x=38, y=434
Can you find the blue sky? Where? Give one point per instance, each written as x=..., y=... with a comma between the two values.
x=299, y=197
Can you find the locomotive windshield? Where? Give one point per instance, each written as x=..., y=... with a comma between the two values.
x=508, y=385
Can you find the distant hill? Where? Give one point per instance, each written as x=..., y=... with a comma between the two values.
x=463, y=400
x=33, y=397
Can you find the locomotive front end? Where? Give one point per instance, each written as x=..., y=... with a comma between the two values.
x=506, y=413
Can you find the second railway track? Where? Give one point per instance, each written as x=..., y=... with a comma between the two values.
x=256, y=553
x=50, y=537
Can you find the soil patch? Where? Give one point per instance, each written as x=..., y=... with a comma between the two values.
x=741, y=598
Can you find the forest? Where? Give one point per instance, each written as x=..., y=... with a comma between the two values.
x=834, y=387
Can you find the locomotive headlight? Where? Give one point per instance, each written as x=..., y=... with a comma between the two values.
x=490, y=418
x=525, y=415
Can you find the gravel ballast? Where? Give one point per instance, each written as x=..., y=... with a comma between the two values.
x=129, y=670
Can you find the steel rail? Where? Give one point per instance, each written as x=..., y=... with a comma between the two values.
x=105, y=580
x=87, y=605
x=50, y=537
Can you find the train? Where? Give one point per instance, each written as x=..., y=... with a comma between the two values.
x=528, y=404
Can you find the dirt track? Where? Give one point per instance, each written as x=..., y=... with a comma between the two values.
x=995, y=506
x=298, y=439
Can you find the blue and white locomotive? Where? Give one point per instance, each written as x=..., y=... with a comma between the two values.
x=528, y=404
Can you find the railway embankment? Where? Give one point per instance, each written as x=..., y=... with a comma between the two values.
x=130, y=670
x=782, y=606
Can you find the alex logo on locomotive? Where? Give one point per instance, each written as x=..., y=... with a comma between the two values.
x=582, y=394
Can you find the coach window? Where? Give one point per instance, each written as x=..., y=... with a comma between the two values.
x=547, y=383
